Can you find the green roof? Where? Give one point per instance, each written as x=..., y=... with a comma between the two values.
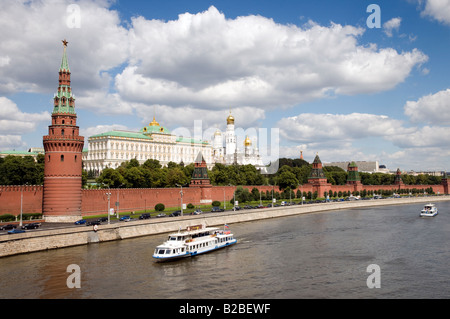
x=190, y=140
x=64, y=62
x=151, y=129
x=124, y=134
x=19, y=153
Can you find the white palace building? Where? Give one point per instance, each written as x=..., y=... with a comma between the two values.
x=110, y=149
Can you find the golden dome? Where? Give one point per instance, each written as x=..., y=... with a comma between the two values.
x=230, y=119
x=218, y=133
x=154, y=123
x=247, y=141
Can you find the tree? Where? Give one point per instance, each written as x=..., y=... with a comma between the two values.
x=134, y=177
x=111, y=177
x=287, y=179
x=176, y=176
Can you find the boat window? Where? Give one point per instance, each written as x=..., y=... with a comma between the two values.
x=161, y=251
x=168, y=251
x=172, y=238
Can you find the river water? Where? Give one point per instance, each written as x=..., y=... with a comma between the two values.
x=321, y=255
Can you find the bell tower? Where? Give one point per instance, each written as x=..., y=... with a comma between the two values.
x=63, y=154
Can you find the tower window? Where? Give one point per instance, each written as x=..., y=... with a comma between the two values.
x=62, y=158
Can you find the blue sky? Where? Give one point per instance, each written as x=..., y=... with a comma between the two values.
x=313, y=70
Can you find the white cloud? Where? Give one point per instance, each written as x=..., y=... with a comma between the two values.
x=309, y=127
x=425, y=137
x=208, y=61
x=14, y=123
x=391, y=25
x=98, y=129
x=432, y=109
x=184, y=118
x=356, y=136
x=438, y=9
x=31, y=47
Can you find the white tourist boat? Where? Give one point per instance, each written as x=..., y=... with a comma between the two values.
x=194, y=241
x=429, y=210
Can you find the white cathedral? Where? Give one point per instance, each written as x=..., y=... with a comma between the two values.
x=230, y=153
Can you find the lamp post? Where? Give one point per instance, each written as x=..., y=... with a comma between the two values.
x=302, y=192
x=21, y=200
x=224, y=200
x=117, y=203
x=181, y=198
x=109, y=201
x=273, y=186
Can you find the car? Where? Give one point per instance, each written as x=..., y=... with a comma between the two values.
x=80, y=222
x=161, y=215
x=93, y=222
x=144, y=216
x=197, y=212
x=125, y=218
x=103, y=219
x=31, y=226
x=9, y=226
x=175, y=213
x=16, y=231
x=216, y=209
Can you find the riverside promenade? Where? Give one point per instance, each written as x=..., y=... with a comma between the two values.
x=40, y=240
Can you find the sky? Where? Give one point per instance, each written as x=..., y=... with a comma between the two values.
x=343, y=79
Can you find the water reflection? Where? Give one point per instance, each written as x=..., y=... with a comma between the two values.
x=322, y=255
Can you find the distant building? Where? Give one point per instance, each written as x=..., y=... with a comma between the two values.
x=110, y=149
x=230, y=153
x=33, y=152
x=363, y=166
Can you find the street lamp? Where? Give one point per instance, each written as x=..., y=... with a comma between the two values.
x=117, y=203
x=302, y=192
x=224, y=200
x=234, y=198
x=181, y=197
x=109, y=201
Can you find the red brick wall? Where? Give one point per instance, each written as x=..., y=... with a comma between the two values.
x=134, y=199
x=10, y=199
x=96, y=202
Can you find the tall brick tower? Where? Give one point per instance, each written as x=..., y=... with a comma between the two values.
x=63, y=153
x=200, y=179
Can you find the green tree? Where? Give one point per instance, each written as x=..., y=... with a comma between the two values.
x=134, y=177
x=287, y=179
x=111, y=177
x=176, y=176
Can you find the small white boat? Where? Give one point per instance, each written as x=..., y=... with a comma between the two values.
x=429, y=210
x=194, y=241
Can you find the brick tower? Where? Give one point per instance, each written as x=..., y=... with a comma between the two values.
x=200, y=179
x=353, y=176
x=63, y=154
x=317, y=178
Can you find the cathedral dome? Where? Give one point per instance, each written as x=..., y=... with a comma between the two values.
x=230, y=119
x=247, y=142
x=154, y=123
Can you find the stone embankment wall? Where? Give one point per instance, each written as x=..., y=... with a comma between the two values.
x=57, y=238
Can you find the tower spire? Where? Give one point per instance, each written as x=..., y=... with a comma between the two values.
x=64, y=62
x=64, y=102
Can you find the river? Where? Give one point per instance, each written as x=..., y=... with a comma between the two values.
x=320, y=255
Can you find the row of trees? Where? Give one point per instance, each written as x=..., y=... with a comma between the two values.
x=150, y=174
x=16, y=170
